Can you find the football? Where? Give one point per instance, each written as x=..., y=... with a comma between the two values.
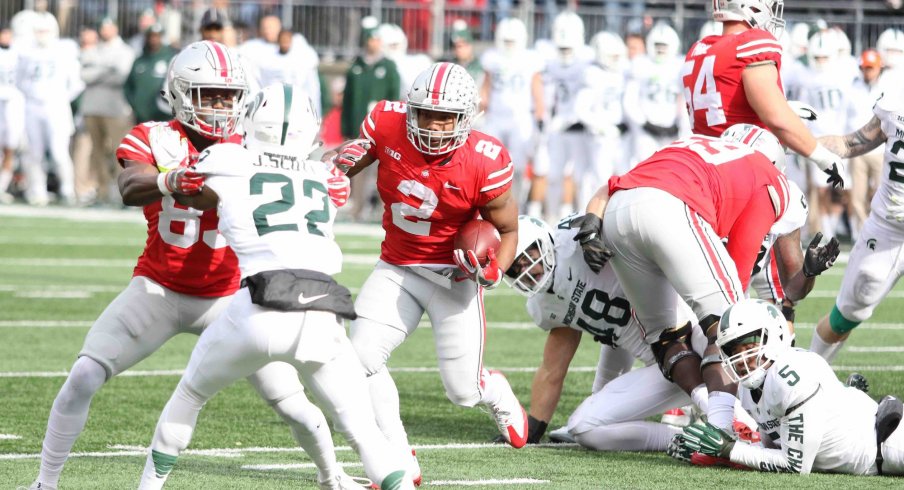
x=478, y=235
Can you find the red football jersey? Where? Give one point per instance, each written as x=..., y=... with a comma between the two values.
x=713, y=88
x=184, y=251
x=738, y=191
x=426, y=199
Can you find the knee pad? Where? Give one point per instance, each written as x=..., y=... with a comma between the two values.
x=373, y=343
x=670, y=339
x=86, y=377
x=839, y=324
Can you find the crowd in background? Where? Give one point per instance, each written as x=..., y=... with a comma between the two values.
x=573, y=108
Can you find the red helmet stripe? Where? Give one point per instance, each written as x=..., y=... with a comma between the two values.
x=221, y=58
x=751, y=135
x=441, y=73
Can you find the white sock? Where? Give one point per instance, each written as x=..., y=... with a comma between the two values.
x=150, y=480
x=826, y=350
x=741, y=415
x=700, y=397
x=385, y=398
x=493, y=388
x=535, y=209
x=68, y=416
x=6, y=176
x=721, y=409
x=628, y=436
x=172, y=435
x=310, y=429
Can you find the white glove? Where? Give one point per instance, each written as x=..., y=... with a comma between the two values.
x=895, y=211
x=169, y=148
x=606, y=130
x=829, y=163
x=803, y=110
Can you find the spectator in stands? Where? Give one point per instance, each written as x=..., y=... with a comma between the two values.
x=23, y=23
x=331, y=133
x=145, y=80
x=866, y=169
x=213, y=24
x=636, y=45
x=463, y=50
x=12, y=112
x=370, y=79
x=145, y=21
x=108, y=116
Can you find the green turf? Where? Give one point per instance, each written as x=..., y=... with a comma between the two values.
x=124, y=413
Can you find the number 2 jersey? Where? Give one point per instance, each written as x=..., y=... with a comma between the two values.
x=713, y=88
x=889, y=109
x=427, y=199
x=184, y=251
x=585, y=301
x=809, y=420
x=275, y=211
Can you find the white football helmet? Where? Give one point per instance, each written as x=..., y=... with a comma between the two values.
x=822, y=51
x=610, y=50
x=662, y=43
x=710, y=28
x=199, y=69
x=756, y=323
x=568, y=34
x=395, y=42
x=759, y=14
x=535, y=259
x=45, y=29
x=759, y=139
x=890, y=46
x=444, y=87
x=281, y=120
x=843, y=42
x=511, y=36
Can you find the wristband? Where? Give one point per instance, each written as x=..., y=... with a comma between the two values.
x=823, y=157
x=161, y=185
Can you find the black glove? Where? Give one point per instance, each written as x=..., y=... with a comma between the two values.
x=661, y=131
x=590, y=237
x=818, y=259
x=834, y=177
x=539, y=125
x=535, y=430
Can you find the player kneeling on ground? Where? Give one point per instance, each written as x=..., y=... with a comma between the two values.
x=809, y=421
x=275, y=213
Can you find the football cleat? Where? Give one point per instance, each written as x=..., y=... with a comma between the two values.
x=561, y=435
x=677, y=417
x=510, y=417
x=857, y=380
x=342, y=481
x=38, y=486
x=415, y=470
x=698, y=459
x=745, y=433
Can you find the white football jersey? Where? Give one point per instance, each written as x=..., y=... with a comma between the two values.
x=409, y=67
x=656, y=88
x=49, y=74
x=583, y=300
x=274, y=212
x=599, y=101
x=8, y=61
x=564, y=82
x=830, y=94
x=510, y=92
x=890, y=111
x=814, y=422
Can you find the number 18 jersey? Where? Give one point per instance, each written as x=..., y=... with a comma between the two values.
x=427, y=199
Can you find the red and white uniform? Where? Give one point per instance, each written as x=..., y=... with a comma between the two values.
x=184, y=252
x=666, y=218
x=713, y=88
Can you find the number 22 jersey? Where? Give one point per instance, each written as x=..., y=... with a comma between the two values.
x=427, y=199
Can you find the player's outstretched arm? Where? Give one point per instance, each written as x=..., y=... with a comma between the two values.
x=790, y=261
x=766, y=98
x=138, y=184
x=862, y=141
x=502, y=212
x=561, y=344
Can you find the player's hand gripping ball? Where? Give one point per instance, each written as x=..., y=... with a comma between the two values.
x=475, y=252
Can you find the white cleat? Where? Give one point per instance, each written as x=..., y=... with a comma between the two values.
x=38, y=486
x=678, y=417
x=343, y=481
x=510, y=417
x=561, y=435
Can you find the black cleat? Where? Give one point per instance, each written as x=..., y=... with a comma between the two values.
x=856, y=380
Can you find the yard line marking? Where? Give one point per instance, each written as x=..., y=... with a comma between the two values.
x=92, y=288
x=10, y=437
x=124, y=450
x=896, y=348
x=293, y=466
x=73, y=241
x=54, y=294
x=474, y=483
x=348, y=259
x=46, y=323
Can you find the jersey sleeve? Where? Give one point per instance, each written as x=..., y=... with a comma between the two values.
x=221, y=164
x=369, y=124
x=886, y=109
x=795, y=216
x=135, y=146
x=498, y=170
x=758, y=46
x=535, y=308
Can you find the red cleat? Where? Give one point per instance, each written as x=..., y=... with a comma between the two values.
x=698, y=459
x=745, y=433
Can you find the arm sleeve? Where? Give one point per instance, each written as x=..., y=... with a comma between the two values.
x=747, y=235
x=759, y=46
x=498, y=177
x=135, y=146
x=801, y=432
x=368, y=128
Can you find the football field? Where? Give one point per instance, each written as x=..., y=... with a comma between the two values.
x=60, y=268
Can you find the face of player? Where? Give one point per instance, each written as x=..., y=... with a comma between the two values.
x=437, y=121
x=463, y=50
x=870, y=73
x=525, y=260
x=214, y=33
x=213, y=105
x=635, y=45
x=6, y=37
x=748, y=363
x=284, y=42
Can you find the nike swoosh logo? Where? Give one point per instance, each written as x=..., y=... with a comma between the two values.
x=304, y=301
x=450, y=186
x=193, y=69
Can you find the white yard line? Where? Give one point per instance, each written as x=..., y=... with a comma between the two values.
x=9, y=437
x=54, y=294
x=293, y=466
x=93, y=288
x=70, y=241
x=895, y=348
x=348, y=259
x=475, y=483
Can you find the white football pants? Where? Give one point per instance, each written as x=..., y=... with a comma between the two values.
x=49, y=129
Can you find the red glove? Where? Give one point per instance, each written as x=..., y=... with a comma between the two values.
x=180, y=181
x=351, y=153
x=488, y=277
x=339, y=187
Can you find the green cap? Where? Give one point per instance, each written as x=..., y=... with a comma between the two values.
x=369, y=26
x=460, y=32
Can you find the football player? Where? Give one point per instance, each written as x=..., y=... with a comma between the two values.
x=808, y=420
x=48, y=76
x=273, y=202
x=653, y=95
x=663, y=226
x=599, y=108
x=734, y=78
x=435, y=174
x=512, y=97
x=874, y=266
x=187, y=273
x=395, y=47
x=12, y=111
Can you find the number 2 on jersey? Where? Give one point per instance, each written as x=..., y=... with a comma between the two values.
x=705, y=95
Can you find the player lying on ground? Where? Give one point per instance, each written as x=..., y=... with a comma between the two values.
x=186, y=274
x=273, y=204
x=808, y=420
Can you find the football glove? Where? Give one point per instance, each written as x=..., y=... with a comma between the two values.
x=338, y=186
x=182, y=180
x=829, y=163
x=169, y=148
x=818, y=259
x=895, y=211
x=803, y=110
x=590, y=236
x=489, y=276
x=678, y=448
x=706, y=438
x=351, y=153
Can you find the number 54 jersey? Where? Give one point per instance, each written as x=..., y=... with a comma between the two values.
x=585, y=301
x=426, y=199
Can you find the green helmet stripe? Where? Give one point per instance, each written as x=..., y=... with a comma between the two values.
x=287, y=106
